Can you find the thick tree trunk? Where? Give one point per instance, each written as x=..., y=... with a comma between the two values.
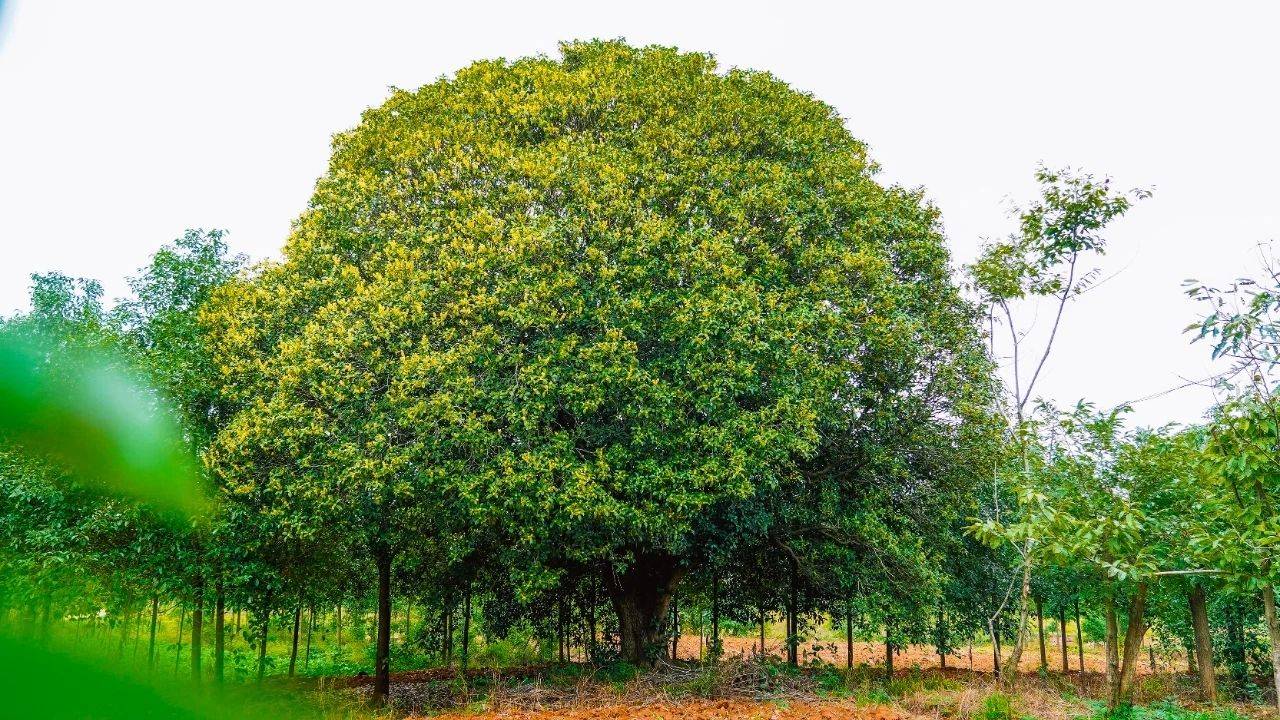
x=197, y=630
x=1062, y=635
x=151, y=642
x=1044, y=656
x=1203, y=644
x=641, y=595
x=219, y=633
x=382, y=654
x=1273, y=630
x=293, y=651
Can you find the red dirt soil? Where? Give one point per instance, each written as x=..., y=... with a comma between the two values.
x=924, y=656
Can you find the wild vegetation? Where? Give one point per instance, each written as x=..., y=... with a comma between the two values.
x=616, y=376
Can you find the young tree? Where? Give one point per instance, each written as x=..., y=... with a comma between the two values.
x=1046, y=261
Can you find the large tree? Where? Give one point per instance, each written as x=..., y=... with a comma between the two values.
x=589, y=302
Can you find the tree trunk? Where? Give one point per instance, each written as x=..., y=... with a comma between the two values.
x=1112, y=652
x=311, y=627
x=1203, y=644
x=382, y=655
x=1010, y=673
x=177, y=653
x=151, y=642
x=715, y=617
x=1121, y=678
x=1044, y=656
x=466, y=627
x=293, y=651
x=126, y=615
x=793, y=626
x=446, y=632
x=46, y=616
x=888, y=650
x=641, y=595
x=848, y=635
x=944, y=644
x=560, y=632
x=261, y=643
x=219, y=632
x=1273, y=630
x=762, y=623
x=1062, y=635
x=197, y=630
x=339, y=624
x=1079, y=636
x=675, y=627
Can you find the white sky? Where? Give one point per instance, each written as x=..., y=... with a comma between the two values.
x=122, y=123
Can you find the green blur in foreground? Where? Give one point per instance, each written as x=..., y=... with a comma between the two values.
x=45, y=683
x=91, y=417
x=112, y=432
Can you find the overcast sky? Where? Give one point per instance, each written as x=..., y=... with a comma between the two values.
x=122, y=123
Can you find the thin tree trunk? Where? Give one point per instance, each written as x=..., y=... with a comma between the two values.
x=715, y=617
x=1062, y=635
x=151, y=642
x=1010, y=674
x=888, y=650
x=1122, y=677
x=793, y=634
x=1203, y=644
x=219, y=633
x=762, y=623
x=1079, y=636
x=197, y=630
x=466, y=627
x=177, y=653
x=382, y=654
x=311, y=627
x=1113, y=671
x=848, y=635
x=339, y=623
x=943, y=641
x=262, y=642
x=126, y=614
x=1273, y=630
x=1044, y=656
x=675, y=627
x=293, y=652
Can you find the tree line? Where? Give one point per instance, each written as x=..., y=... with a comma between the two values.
x=574, y=346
